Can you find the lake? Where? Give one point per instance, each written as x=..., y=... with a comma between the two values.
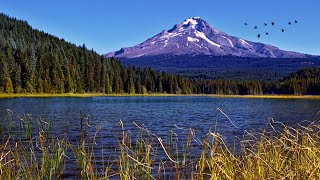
x=159, y=115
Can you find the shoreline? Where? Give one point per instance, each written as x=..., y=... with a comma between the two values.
x=267, y=96
x=88, y=95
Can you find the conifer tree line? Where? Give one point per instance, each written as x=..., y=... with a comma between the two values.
x=303, y=82
x=32, y=61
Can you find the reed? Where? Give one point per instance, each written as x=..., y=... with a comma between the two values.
x=288, y=153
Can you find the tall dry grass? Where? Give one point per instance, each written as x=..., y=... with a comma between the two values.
x=288, y=153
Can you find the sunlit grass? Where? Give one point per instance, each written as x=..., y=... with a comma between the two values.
x=16, y=95
x=268, y=96
x=287, y=153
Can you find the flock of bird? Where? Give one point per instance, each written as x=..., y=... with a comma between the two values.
x=272, y=24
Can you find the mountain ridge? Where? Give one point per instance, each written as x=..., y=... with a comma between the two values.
x=195, y=36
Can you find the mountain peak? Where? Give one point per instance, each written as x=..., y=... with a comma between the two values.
x=193, y=23
x=193, y=20
x=196, y=36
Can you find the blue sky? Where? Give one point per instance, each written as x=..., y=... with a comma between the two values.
x=108, y=25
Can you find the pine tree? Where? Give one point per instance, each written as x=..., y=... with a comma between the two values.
x=9, y=86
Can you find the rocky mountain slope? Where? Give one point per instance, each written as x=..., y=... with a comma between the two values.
x=195, y=36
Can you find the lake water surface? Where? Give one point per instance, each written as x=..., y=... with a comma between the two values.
x=161, y=114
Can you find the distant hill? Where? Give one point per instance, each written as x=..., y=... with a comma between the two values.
x=302, y=82
x=305, y=81
x=304, y=74
x=227, y=67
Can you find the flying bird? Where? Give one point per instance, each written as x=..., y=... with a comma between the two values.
x=295, y=21
x=267, y=33
x=282, y=30
x=246, y=24
x=265, y=24
x=289, y=23
x=272, y=23
x=258, y=35
x=256, y=27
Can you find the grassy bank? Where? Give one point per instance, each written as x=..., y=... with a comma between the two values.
x=14, y=95
x=287, y=96
x=291, y=153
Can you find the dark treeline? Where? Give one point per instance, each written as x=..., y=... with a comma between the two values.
x=203, y=67
x=35, y=62
x=32, y=61
x=305, y=81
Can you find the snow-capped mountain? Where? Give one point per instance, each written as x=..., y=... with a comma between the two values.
x=195, y=36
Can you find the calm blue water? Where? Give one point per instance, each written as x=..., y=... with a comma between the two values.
x=160, y=114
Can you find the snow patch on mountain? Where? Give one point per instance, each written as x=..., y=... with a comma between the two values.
x=170, y=35
x=191, y=39
x=230, y=42
x=203, y=36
